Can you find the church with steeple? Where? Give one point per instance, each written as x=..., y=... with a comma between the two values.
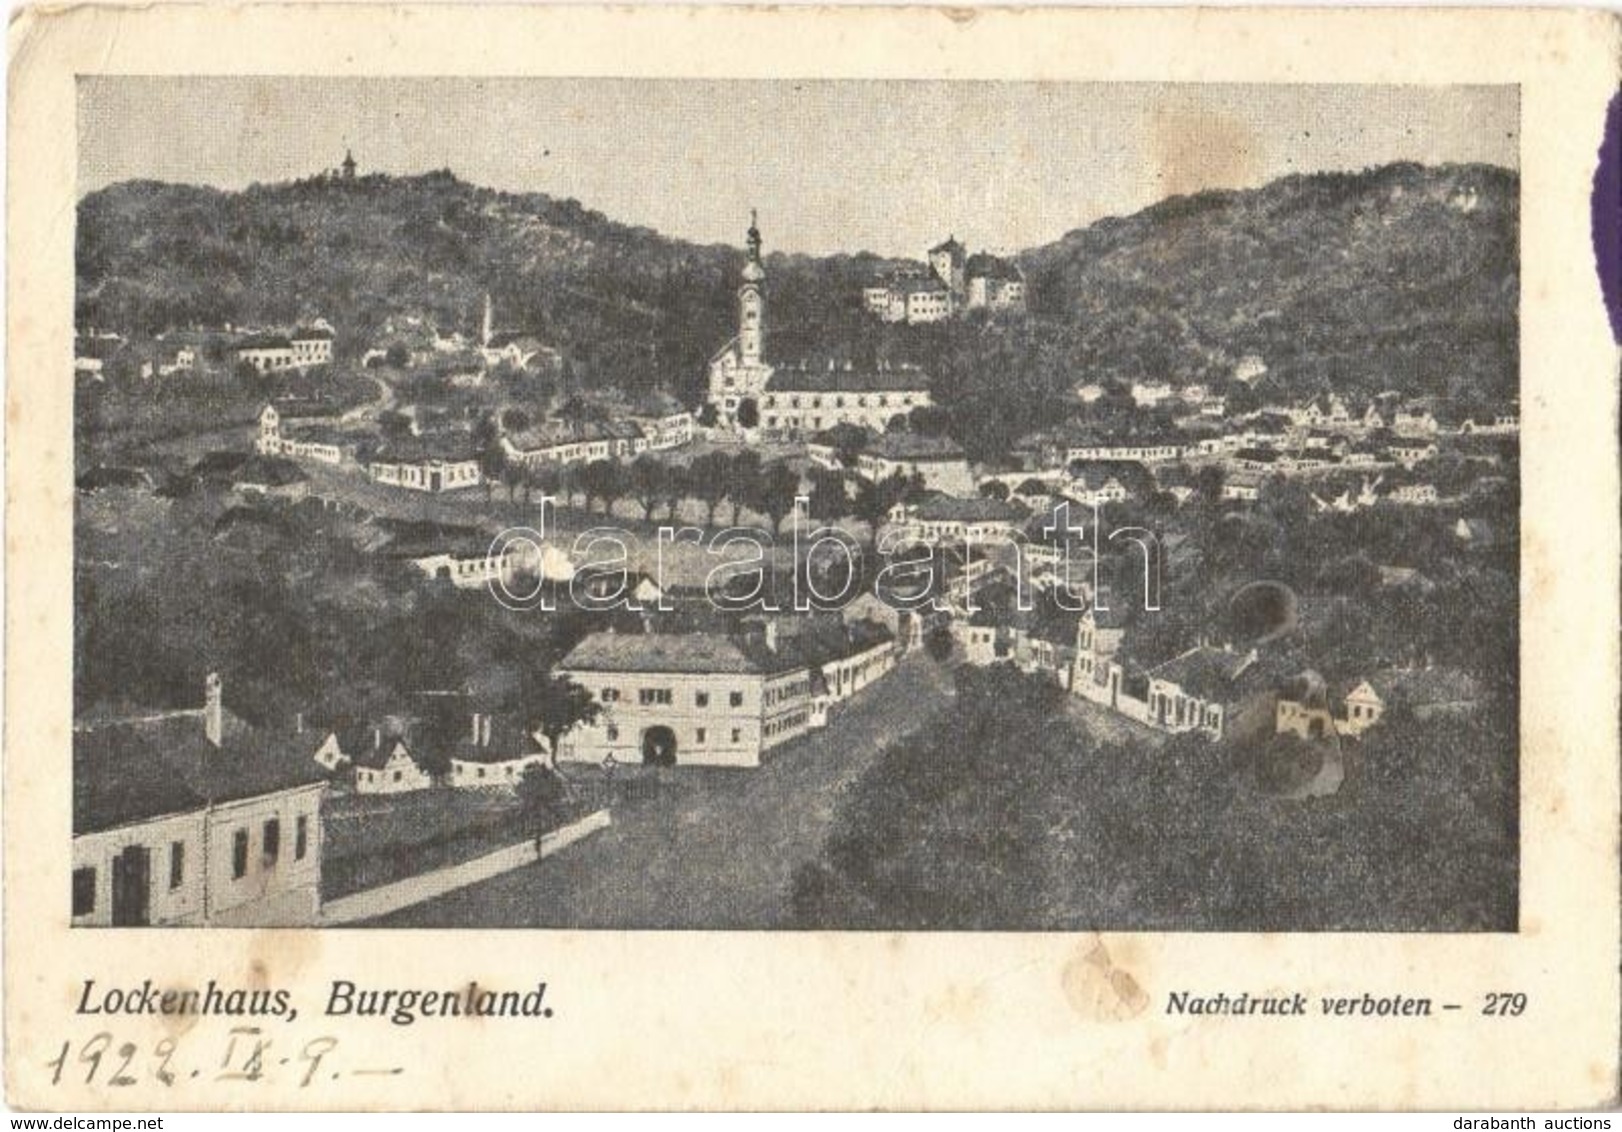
x=789, y=400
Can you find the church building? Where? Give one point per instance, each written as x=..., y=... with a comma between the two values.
x=791, y=401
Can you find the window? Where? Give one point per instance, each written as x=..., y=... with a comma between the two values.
x=273, y=840
x=301, y=837
x=650, y=696
x=737, y=699
x=239, y=854
x=84, y=891
x=397, y=776
x=701, y=699
x=699, y=735
x=177, y=864
x=610, y=695
x=737, y=735
x=613, y=733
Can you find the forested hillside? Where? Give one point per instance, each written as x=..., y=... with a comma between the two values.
x=1401, y=277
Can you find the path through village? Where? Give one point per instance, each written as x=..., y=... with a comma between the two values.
x=716, y=848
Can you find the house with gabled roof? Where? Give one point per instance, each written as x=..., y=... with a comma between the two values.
x=386, y=765
x=194, y=817
x=719, y=698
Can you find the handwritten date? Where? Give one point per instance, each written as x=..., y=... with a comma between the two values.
x=245, y=1054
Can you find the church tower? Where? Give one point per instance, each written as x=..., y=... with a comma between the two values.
x=752, y=302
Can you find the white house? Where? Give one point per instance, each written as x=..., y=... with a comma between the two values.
x=387, y=766
x=192, y=817
x=492, y=757
x=718, y=699
x=433, y=463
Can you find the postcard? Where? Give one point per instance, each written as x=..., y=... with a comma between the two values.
x=716, y=558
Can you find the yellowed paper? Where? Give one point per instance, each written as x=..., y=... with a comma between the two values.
x=624, y=995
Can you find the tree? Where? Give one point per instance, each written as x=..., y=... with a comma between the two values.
x=675, y=489
x=543, y=799
x=742, y=472
x=938, y=644
x=515, y=419
x=556, y=705
x=994, y=489
x=648, y=480
x=397, y=356
x=492, y=457
x=774, y=492
x=707, y=479
x=830, y=502
x=603, y=480
x=874, y=499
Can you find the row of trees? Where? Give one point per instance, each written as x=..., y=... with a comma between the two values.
x=713, y=480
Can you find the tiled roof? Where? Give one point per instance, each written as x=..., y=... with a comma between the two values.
x=912, y=446
x=979, y=509
x=813, y=379
x=130, y=770
x=657, y=652
x=456, y=446
x=265, y=342
x=808, y=644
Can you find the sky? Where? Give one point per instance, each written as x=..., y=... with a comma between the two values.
x=886, y=166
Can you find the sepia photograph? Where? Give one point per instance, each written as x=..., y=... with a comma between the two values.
x=855, y=505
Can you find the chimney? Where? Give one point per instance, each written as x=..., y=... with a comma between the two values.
x=771, y=635
x=475, y=737
x=484, y=738
x=298, y=723
x=377, y=738
x=213, y=709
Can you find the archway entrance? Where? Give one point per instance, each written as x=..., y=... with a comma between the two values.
x=659, y=747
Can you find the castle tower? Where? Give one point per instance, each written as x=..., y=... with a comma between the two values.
x=489, y=321
x=752, y=301
x=349, y=165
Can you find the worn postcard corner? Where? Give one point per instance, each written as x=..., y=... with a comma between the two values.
x=819, y=551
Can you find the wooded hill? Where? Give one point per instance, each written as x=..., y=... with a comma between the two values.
x=1402, y=277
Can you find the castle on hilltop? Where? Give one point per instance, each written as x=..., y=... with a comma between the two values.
x=953, y=281
x=792, y=400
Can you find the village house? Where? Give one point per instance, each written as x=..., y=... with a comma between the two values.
x=386, y=765
x=1148, y=394
x=492, y=756
x=1143, y=449
x=948, y=518
x=1414, y=420
x=308, y=442
x=433, y=462
x=1411, y=453
x=463, y=557
x=194, y=818
x=794, y=401
x=936, y=460
x=1428, y=692
x=718, y=699
x=1218, y=692
x=1244, y=487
